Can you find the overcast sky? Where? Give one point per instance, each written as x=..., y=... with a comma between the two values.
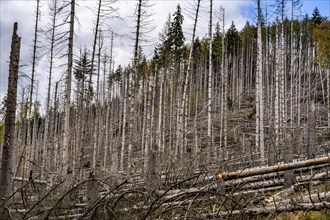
x=22, y=11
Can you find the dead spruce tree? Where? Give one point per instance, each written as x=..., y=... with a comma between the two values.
x=65, y=165
x=209, y=90
x=259, y=94
x=103, y=11
x=54, y=10
x=29, y=148
x=142, y=28
x=7, y=160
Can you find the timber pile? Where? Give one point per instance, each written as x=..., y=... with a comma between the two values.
x=244, y=193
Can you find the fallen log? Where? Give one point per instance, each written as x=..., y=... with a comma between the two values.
x=275, y=182
x=20, y=179
x=273, y=209
x=312, y=198
x=270, y=169
x=278, y=175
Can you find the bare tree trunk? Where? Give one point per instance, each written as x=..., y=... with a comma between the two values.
x=133, y=83
x=170, y=89
x=153, y=180
x=277, y=90
x=209, y=91
x=131, y=133
x=298, y=102
x=98, y=13
x=144, y=103
x=182, y=105
x=311, y=135
x=34, y=56
x=259, y=67
x=289, y=177
x=96, y=124
x=147, y=125
x=108, y=142
x=179, y=119
x=109, y=122
x=125, y=85
x=223, y=93
x=151, y=173
x=6, y=172
x=292, y=68
x=54, y=128
x=152, y=120
x=66, y=134
x=34, y=135
x=160, y=114
x=20, y=161
x=29, y=148
x=271, y=145
x=282, y=77
x=259, y=94
x=225, y=105
x=44, y=164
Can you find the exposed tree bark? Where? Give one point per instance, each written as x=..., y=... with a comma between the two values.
x=160, y=142
x=152, y=177
x=96, y=124
x=282, y=76
x=6, y=172
x=29, y=148
x=259, y=94
x=274, y=209
x=289, y=177
x=66, y=135
x=46, y=141
x=277, y=89
x=54, y=162
x=125, y=88
x=96, y=31
x=34, y=56
x=147, y=144
x=133, y=84
x=109, y=122
x=224, y=88
x=182, y=105
x=209, y=90
x=311, y=135
x=275, y=168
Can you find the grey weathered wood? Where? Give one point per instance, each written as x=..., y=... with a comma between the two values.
x=6, y=173
x=273, y=209
x=152, y=177
x=66, y=134
x=270, y=169
x=289, y=177
x=92, y=190
x=311, y=135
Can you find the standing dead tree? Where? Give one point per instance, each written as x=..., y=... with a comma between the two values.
x=142, y=28
x=66, y=134
x=209, y=90
x=183, y=103
x=28, y=150
x=259, y=94
x=53, y=6
x=6, y=173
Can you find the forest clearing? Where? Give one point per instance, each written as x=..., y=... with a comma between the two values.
x=232, y=125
